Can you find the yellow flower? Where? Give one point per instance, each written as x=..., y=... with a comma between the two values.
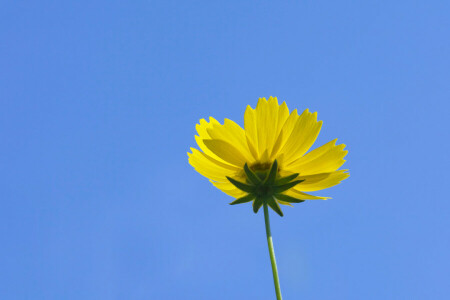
x=239, y=161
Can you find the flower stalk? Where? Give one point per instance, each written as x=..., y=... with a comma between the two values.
x=276, y=280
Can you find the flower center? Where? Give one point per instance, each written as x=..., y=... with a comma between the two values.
x=263, y=191
x=260, y=166
x=261, y=169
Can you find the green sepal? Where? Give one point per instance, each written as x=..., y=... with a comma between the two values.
x=288, y=199
x=274, y=205
x=251, y=175
x=284, y=180
x=244, y=199
x=257, y=204
x=242, y=186
x=270, y=179
x=284, y=187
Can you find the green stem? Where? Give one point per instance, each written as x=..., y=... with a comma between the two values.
x=276, y=281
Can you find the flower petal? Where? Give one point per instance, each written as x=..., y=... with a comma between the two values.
x=321, y=181
x=202, y=130
x=228, y=189
x=285, y=203
x=233, y=134
x=285, y=133
x=271, y=123
x=303, y=136
x=327, y=158
x=208, y=168
x=226, y=151
x=264, y=124
x=283, y=114
x=304, y=196
x=251, y=132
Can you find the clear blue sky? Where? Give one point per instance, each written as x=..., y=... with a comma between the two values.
x=99, y=101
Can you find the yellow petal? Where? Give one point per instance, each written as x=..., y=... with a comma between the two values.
x=252, y=148
x=262, y=124
x=233, y=134
x=270, y=119
x=283, y=114
x=228, y=189
x=321, y=181
x=303, y=196
x=225, y=151
x=271, y=123
x=216, y=163
x=208, y=168
x=285, y=203
x=264, y=156
x=285, y=133
x=202, y=127
x=251, y=130
x=277, y=145
x=303, y=135
x=202, y=130
x=327, y=158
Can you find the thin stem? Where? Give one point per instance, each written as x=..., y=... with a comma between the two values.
x=276, y=281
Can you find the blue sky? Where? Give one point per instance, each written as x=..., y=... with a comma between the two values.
x=99, y=105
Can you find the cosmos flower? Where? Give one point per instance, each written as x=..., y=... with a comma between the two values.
x=268, y=161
